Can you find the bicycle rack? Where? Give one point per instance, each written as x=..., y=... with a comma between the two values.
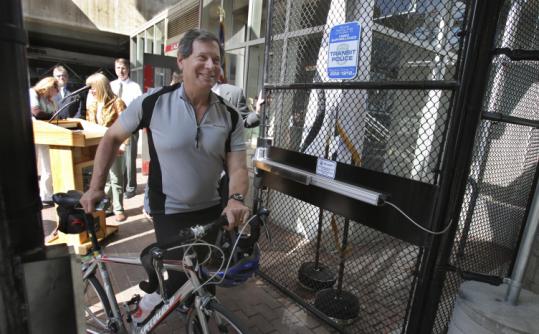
x=339, y=305
x=316, y=276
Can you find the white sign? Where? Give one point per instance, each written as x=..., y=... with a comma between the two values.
x=343, y=50
x=326, y=168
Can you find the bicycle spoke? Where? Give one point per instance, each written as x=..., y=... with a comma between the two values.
x=96, y=307
x=217, y=318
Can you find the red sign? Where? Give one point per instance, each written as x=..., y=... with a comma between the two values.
x=171, y=47
x=148, y=77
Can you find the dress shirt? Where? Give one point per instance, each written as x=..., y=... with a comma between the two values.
x=130, y=90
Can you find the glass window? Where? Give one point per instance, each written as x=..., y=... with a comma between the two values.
x=210, y=16
x=159, y=77
x=259, y=16
x=149, y=41
x=236, y=14
x=133, y=51
x=234, y=62
x=159, y=38
x=140, y=49
x=255, y=70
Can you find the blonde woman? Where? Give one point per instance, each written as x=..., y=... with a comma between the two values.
x=43, y=107
x=104, y=110
x=42, y=98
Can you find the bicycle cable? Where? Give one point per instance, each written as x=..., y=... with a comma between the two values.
x=210, y=246
x=394, y=206
x=209, y=280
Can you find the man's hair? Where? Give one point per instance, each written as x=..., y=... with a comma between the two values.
x=60, y=68
x=122, y=61
x=185, y=48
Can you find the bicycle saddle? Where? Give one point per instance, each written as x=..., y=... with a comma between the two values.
x=70, y=200
x=67, y=200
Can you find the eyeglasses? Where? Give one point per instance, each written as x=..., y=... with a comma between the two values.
x=60, y=75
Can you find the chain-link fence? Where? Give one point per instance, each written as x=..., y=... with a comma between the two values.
x=506, y=152
x=390, y=129
x=391, y=119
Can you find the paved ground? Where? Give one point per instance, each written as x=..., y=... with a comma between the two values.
x=261, y=307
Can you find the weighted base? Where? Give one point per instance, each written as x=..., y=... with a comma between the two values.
x=314, y=278
x=340, y=306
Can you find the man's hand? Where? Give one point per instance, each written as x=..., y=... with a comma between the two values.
x=90, y=198
x=236, y=213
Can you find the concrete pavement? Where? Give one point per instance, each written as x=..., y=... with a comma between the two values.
x=260, y=306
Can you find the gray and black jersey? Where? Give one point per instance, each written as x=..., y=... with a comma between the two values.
x=187, y=158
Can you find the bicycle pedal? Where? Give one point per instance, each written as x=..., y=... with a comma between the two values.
x=132, y=304
x=135, y=299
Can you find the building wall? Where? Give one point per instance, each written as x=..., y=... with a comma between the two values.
x=116, y=16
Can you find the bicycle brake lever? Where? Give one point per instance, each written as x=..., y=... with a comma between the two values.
x=268, y=235
x=103, y=204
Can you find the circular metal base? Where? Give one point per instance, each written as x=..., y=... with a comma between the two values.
x=341, y=306
x=316, y=277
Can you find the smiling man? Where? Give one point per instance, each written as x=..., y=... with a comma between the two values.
x=192, y=136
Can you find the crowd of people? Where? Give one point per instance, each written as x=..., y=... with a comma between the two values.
x=196, y=141
x=106, y=100
x=103, y=105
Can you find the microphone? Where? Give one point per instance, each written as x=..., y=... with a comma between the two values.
x=55, y=115
x=78, y=91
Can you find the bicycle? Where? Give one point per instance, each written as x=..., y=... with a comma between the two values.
x=203, y=312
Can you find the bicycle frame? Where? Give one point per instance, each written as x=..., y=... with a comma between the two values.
x=192, y=285
x=201, y=303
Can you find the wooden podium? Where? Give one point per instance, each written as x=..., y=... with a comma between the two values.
x=72, y=146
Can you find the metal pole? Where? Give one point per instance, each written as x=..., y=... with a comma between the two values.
x=21, y=238
x=267, y=47
x=515, y=284
x=475, y=58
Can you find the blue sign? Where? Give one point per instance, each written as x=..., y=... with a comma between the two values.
x=344, y=50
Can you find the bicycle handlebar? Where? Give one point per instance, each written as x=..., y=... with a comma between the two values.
x=189, y=234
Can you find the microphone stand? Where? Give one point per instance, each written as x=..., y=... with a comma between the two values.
x=76, y=99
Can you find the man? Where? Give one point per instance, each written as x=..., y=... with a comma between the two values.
x=127, y=90
x=192, y=134
x=73, y=106
x=235, y=96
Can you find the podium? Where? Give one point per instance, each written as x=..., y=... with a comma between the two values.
x=72, y=146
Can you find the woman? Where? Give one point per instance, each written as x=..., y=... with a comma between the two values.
x=43, y=107
x=104, y=110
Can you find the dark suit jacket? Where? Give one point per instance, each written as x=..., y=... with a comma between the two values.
x=235, y=96
x=77, y=109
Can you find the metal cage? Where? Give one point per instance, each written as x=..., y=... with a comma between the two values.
x=434, y=123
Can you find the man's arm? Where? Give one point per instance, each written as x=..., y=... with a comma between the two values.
x=236, y=211
x=104, y=157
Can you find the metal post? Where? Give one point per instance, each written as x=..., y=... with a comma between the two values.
x=515, y=284
x=465, y=119
x=21, y=238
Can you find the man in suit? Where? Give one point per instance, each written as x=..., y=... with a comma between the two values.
x=74, y=106
x=234, y=95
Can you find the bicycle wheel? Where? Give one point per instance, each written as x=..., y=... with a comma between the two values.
x=218, y=318
x=97, y=310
